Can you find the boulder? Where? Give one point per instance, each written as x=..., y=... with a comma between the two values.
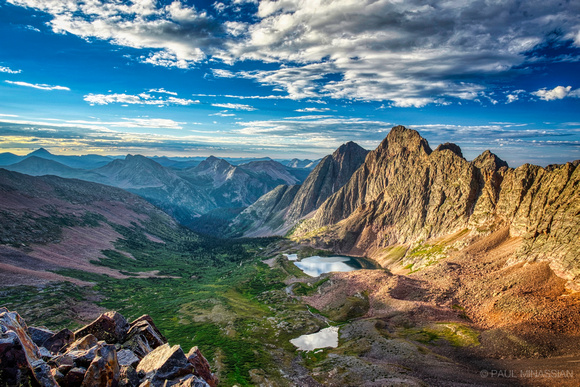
x=201, y=366
x=104, y=369
x=191, y=381
x=129, y=377
x=39, y=335
x=18, y=350
x=59, y=340
x=143, y=337
x=148, y=319
x=74, y=377
x=15, y=369
x=127, y=358
x=165, y=363
x=83, y=343
x=110, y=327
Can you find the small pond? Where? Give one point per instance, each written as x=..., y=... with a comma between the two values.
x=316, y=265
x=291, y=257
x=327, y=337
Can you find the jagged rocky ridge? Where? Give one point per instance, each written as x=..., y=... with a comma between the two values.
x=107, y=352
x=405, y=194
x=282, y=208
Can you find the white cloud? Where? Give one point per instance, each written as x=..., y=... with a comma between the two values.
x=162, y=91
x=140, y=99
x=514, y=95
x=410, y=53
x=38, y=86
x=220, y=73
x=8, y=70
x=234, y=106
x=178, y=33
x=312, y=110
x=157, y=123
x=558, y=92
x=224, y=113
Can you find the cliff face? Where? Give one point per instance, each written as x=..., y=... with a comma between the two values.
x=278, y=211
x=405, y=194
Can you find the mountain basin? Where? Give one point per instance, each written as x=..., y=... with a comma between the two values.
x=327, y=337
x=317, y=265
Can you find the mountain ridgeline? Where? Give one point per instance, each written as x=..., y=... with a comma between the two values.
x=278, y=211
x=407, y=197
x=184, y=192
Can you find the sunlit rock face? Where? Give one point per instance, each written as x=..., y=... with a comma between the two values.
x=405, y=193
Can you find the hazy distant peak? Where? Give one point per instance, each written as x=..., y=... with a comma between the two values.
x=213, y=163
x=40, y=152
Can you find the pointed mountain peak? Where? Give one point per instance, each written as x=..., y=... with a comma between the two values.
x=350, y=148
x=212, y=162
x=400, y=138
x=488, y=160
x=40, y=152
x=452, y=147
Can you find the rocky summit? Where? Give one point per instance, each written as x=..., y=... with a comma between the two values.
x=108, y=352
x=407, y=195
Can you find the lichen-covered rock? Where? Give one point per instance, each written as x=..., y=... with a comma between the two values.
x=201, y=366
x=110, y=327
x=15, y=368
x=104, y=370
x=165, y=363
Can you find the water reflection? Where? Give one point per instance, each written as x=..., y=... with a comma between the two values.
x=315, y=266
x=327, y=337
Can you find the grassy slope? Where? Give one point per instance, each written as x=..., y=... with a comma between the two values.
x=215, y=294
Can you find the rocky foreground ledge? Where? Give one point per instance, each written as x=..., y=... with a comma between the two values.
x=108, y=352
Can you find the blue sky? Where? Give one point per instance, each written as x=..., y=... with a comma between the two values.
x=289, y=78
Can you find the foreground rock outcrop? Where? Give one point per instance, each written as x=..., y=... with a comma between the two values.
x=108, y=352
x=406, y=195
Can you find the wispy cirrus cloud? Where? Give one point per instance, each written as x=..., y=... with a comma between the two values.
x=138, y=99
x=234, y=106
x=162, y=91
x=312, y=110
x=38, y=86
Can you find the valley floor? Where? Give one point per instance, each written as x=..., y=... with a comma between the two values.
x=471, y=319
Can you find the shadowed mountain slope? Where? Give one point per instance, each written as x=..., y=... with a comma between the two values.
x=278, y=211
x=49, y=223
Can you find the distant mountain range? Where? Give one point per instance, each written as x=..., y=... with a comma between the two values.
x=184, y=188
x=96, y=161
